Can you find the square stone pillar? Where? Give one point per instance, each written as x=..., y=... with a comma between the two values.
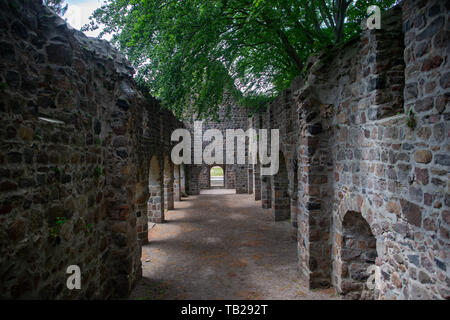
x=256, y=182
x=266, y=192
x=176, y=184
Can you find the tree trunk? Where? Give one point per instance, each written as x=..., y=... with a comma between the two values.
x=340, y=12
x=290, y=50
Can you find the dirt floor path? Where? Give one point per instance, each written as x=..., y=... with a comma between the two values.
x=221, y=246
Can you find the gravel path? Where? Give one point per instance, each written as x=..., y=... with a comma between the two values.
x=221, y=245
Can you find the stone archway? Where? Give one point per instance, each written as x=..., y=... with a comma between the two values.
x=204, y=177
x=213, y=183
x=358, y=253
x=155, y=185
x=354, y=251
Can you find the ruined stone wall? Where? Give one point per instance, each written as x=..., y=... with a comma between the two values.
x=230, y=116
x=73, y=190
x=282, y=114
x=364, y=138
x=254, y=169
x=372, y=151
x=369, y=87
x=385, y=166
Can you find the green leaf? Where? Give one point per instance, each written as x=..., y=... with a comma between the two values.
x=191, y=53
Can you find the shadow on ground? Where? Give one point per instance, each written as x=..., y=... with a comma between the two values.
x=221, y=245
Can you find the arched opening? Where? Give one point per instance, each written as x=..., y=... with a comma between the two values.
x=155, y=202
x=281, y=203
x=358, y=254
x=217, y=176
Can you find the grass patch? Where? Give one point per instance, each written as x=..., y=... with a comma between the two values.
x=216, y=172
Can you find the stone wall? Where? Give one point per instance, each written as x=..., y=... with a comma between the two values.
x=370, y=145
x=230, y=116
x=385, y=168
x=336, y=111
x=280, y=191
x=77, y=139
x=84, y=160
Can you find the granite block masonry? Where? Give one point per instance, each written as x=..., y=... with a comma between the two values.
x=365, y=139
x=78, y=138
x=364, y=160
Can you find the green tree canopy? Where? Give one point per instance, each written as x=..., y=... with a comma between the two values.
x=188, y=53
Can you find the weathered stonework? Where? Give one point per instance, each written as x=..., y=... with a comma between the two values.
x=371, y=146
x=72, y=191
x=364, y=160
x=236, y=175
